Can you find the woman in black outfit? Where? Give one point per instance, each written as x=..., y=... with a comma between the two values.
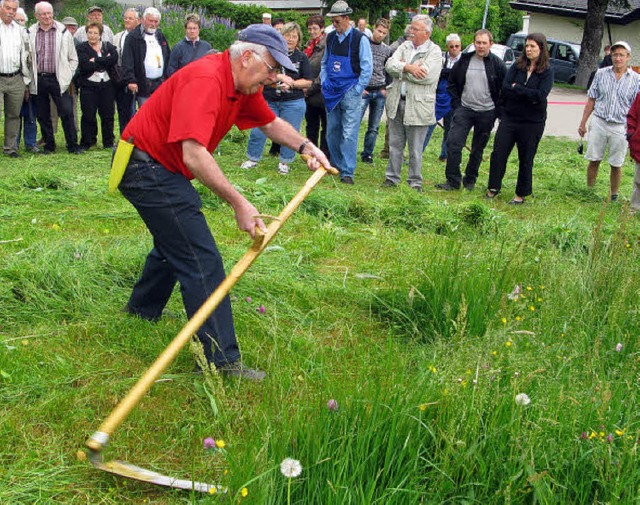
x=96, y=62
x=524, y=98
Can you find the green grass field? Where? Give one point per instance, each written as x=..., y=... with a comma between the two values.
x=400, y=306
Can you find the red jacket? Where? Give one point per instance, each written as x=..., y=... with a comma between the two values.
x=633, y=129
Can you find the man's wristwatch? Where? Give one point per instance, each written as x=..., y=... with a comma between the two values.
x=303, y=145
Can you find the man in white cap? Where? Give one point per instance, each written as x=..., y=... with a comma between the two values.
x=266, y=18
x=94, y=15
x=609, y=99
x=347, y=66
x=174, y=135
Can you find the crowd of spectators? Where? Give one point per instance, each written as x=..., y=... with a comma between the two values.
x=345, y=70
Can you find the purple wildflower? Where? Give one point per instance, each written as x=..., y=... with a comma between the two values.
x=209, y=443
x=332, y=405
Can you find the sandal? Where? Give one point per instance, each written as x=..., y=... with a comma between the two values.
x=492, y=193
x=516, y=202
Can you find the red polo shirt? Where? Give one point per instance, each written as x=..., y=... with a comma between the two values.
x=198, y=102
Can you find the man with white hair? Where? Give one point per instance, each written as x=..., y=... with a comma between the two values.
x=14, y=73
x=124, y=97
x=145, y=57
x=174, y=136
x=444, y=110
x=54, y=62
x=94, y=15
x=415, y=68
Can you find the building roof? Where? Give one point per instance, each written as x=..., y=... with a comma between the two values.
x=578, y=9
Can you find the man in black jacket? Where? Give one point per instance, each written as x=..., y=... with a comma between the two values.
x=145, y=57
x=474, y=86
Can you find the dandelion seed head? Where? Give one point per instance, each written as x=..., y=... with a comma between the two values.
x=522, y=399
x=290, y=467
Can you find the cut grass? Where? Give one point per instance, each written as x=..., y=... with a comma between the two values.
x=393, y=303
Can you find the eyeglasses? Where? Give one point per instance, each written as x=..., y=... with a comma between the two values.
x=272, y=70
x=417, y=29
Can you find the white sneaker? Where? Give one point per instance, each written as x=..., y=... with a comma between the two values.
x=283, y=168
x=247, y=165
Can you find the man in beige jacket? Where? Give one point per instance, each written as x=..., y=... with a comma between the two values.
x=415, y=68
x=54, y=61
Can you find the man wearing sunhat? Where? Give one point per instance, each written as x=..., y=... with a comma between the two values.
x=346, y=69
x=608, y=101
x=174, y=134
x=94, y=15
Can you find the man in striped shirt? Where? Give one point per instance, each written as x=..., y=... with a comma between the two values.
x=609, y=98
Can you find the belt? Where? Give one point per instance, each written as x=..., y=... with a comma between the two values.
x=46, y=74
x=156, y=79
x=403, y=97
x=140, y=155
x=11, y=74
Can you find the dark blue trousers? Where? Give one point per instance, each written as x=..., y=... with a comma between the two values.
x=184, y=251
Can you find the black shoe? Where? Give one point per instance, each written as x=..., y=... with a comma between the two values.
x=32, y=149
x=366, y=159
x=237, y=369
x=614, y=197
x=346, y=179
x=470, y=186
x=389, y=184
x=516, y=202
x=417, y=188
x=46, y=152
x=446, y=186
x=77, y=150
x=16, y=155
x=128, y=309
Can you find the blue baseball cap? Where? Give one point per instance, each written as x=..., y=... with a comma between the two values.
x=272, y=39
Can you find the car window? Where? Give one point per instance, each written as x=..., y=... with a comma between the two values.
x=509, y=56
x=551, y=46
x=517, y=44
x=565, y=53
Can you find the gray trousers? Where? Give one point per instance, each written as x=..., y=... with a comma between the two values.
x=635, y=195
x=399, y=135
x=12, y=94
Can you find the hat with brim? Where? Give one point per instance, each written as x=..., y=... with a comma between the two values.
x=621, y=43
x=340, y=8
x=69, y=21
x=94, y=8
x=272, y=39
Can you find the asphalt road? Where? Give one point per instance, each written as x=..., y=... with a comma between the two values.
x=564, y=112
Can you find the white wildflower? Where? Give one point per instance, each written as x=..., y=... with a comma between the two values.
x=522, y=399
x=290, y=467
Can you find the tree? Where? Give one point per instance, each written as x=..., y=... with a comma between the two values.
x=591, y=40
x=592, y=37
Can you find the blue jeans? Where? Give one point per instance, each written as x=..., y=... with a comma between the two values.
x=447, y=125
x=28, y=119
x=374, y=100
x=343, y=125
x=292, y=111
x=183, y=251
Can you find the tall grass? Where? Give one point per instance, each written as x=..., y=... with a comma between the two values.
x=421, y=315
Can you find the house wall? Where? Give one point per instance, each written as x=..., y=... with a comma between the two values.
x=562, y=28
